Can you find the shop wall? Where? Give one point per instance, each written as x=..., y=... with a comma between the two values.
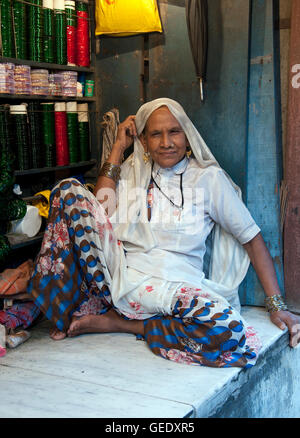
x=238, y=118
x=221, y=118
x=284, y=26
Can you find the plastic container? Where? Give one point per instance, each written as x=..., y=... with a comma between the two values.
x=30, y=224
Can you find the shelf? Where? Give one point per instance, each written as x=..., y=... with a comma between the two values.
x=25, y=240
x=29, y=199
x=55, y=168
x=46, y=176
x=47, y=65
x=50, y=98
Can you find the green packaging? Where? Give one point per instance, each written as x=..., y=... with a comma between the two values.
x=89, y=88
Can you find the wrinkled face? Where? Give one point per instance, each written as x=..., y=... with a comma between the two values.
x=164, y=138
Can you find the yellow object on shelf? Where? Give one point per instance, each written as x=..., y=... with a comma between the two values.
x=43, y=204
x=127, y=17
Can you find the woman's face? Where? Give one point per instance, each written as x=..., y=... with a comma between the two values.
x=164, y=138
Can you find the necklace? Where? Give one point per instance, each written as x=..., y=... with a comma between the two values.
x=170, y=200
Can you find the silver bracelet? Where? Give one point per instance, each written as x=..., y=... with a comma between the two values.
x=110, y=171
x=275, y=303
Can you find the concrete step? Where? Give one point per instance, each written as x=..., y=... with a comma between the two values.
x=116, y=376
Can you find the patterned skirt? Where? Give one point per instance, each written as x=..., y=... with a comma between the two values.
x=74, y=271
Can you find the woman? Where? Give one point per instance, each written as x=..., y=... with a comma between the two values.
x=141, y=271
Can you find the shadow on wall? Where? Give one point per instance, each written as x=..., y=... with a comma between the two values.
x=172, y=70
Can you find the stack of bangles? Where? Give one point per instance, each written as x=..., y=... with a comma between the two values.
x=110, y=171
x=275, y=303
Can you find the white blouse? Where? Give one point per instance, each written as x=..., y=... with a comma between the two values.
x=176, y=259
x=181, y=233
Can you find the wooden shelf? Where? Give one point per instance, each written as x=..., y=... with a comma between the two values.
x=55, y=168
x=26, y=240
x=47, y=98
x=55, y=172
x=47, y=65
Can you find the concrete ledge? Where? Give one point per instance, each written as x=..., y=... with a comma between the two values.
x=115, y=376
x=268, y=390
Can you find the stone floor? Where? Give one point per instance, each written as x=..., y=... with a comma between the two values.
x=114, y=376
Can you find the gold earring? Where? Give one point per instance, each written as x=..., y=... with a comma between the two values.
x=146, y=157
x=188, y=152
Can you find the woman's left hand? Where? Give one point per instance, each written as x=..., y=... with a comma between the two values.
x=283, y=319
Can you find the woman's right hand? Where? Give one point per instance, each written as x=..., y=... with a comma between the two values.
x=126, y=133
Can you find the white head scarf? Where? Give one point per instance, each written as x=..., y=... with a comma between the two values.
x=229, y=261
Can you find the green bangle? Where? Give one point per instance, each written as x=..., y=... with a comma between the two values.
x=275, y=303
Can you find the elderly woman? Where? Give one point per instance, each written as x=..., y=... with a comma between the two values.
x=130, y=257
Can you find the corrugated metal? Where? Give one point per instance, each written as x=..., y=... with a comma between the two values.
x=263, y=151
x=292, y=166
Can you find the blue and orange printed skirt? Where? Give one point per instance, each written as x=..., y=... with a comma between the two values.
x=72, y=278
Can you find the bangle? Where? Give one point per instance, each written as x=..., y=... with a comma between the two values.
x=275, y=303
x=111, y=171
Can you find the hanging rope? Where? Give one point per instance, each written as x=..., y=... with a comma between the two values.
x=110, y=125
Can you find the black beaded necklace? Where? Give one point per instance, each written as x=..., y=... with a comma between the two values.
x=170, y=200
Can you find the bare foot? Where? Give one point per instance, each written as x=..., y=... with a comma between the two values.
x=56, y=334
x=109, y=322
x=94, y=324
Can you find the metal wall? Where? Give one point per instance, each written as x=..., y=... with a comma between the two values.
x=292, y=165
x=238, y=119
x=264, y=159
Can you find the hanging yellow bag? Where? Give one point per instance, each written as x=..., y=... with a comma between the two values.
x=126, y=17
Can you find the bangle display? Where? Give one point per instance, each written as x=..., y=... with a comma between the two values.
x=275, y=303
x=110, y=171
